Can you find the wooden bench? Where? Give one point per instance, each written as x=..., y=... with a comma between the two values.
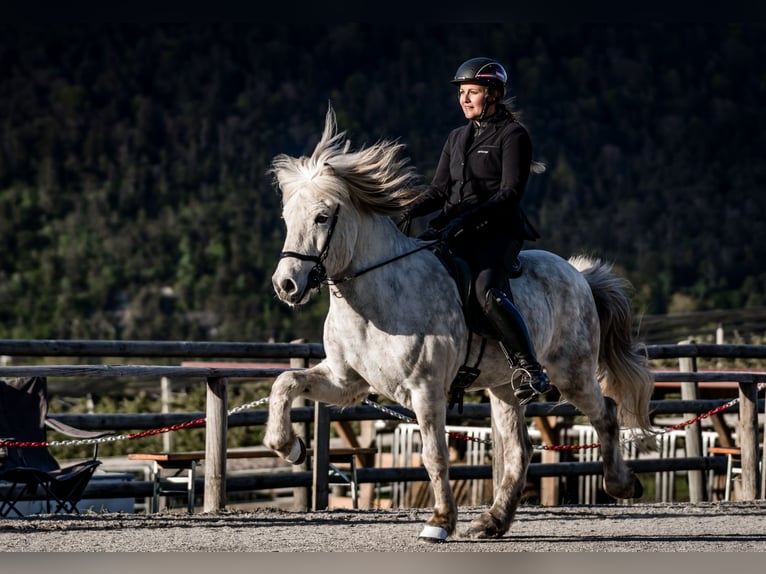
x=185, y=466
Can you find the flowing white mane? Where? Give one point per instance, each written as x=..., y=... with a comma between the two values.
x=375, y=178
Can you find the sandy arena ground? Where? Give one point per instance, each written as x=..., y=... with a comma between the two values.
x=675, y=527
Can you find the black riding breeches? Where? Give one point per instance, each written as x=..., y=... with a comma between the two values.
x=487, y=259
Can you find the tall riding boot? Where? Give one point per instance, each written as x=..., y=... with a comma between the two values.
x=529, y=379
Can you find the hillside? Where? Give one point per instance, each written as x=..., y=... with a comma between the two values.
x=134, y=200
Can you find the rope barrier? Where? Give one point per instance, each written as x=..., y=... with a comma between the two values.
x=377, y=406
x=129, y=436
x=567, y=447
x=662, y=431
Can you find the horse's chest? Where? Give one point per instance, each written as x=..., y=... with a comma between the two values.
x=358, y=337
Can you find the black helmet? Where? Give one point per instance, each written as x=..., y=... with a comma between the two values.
x=484, y=71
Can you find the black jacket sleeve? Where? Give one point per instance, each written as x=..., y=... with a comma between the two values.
x=434, y=195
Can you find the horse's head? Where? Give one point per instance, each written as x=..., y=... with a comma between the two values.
x=326, y=198
x=314, y=241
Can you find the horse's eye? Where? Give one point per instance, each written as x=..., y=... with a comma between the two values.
x=321, y=218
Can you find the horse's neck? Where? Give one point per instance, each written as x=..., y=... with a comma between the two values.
x=379, y=242
x=377, y=245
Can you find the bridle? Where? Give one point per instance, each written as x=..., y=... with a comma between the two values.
x=318, y=273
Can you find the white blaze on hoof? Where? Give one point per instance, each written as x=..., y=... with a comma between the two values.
x=433, y=534
x=297, y=453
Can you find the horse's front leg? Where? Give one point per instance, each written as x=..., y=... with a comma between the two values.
x=318, y=383
x=432, y=418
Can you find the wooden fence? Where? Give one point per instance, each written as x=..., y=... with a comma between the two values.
x=299, y=353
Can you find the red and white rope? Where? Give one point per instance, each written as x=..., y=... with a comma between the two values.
x=390, y=412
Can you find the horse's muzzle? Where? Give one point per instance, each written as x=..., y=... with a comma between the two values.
x=292, y=290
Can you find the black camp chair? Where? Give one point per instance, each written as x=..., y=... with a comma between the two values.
x=32, y=472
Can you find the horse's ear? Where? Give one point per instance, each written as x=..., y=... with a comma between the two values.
x=331, y=128
x=330, y=123
x=330, y=136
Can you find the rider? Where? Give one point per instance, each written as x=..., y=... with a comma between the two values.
x=478, y=186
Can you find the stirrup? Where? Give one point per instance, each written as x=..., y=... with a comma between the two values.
x=529, y=386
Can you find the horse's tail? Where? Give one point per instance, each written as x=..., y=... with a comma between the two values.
x=623, y=369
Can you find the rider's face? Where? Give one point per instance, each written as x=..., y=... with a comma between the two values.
x=472, y=98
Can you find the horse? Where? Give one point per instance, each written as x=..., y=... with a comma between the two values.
x=396, y=327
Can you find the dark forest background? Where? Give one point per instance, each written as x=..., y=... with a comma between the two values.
x=134, y=200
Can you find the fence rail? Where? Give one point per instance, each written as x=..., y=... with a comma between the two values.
x=216, y=483
x=210, y=349
x=201, y=349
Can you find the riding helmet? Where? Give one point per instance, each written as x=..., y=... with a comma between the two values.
x=484, y=71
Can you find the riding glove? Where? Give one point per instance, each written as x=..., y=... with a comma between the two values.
x=453, y=229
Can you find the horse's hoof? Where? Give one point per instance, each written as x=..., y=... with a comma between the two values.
x=473, y=534
x=638, y=488
x=433, y=534
x=297, y=453
x=636, y=491
x=482, y=529
x=632, y=491
x=481, y=533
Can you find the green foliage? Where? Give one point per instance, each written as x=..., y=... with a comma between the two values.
x=135, y=203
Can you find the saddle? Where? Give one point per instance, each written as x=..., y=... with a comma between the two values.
x=460, y=272
x=477, y=322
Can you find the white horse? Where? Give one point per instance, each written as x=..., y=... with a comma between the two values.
x=396, y=327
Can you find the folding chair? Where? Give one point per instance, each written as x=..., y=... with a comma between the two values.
x=32, y=472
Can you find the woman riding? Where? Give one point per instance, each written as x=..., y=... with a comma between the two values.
x=478, y=187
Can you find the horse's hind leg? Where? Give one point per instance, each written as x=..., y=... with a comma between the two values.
x=512, y=443
x=619, y=481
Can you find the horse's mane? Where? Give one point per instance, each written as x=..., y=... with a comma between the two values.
x=375, y=178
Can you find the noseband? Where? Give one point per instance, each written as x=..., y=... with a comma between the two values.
x=318, y=273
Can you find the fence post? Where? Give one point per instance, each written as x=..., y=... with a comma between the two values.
x=301, y=494
x=549, y=485
x=215, y=444
x=166, y=395
x=763, y=451
x=321, y=493
x=693, y=442
x=748, y=438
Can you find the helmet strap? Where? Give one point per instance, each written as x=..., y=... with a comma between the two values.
x=486, y=105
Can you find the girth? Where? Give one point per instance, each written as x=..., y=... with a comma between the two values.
x=465, y=376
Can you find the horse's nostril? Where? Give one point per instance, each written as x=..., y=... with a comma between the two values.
x=289, y=286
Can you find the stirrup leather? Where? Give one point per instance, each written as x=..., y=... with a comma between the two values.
x=465, y=376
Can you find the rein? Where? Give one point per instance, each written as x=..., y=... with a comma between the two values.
x=318, y=273
x=331, y=281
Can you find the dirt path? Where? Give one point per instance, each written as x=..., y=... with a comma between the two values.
x=682, y=527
